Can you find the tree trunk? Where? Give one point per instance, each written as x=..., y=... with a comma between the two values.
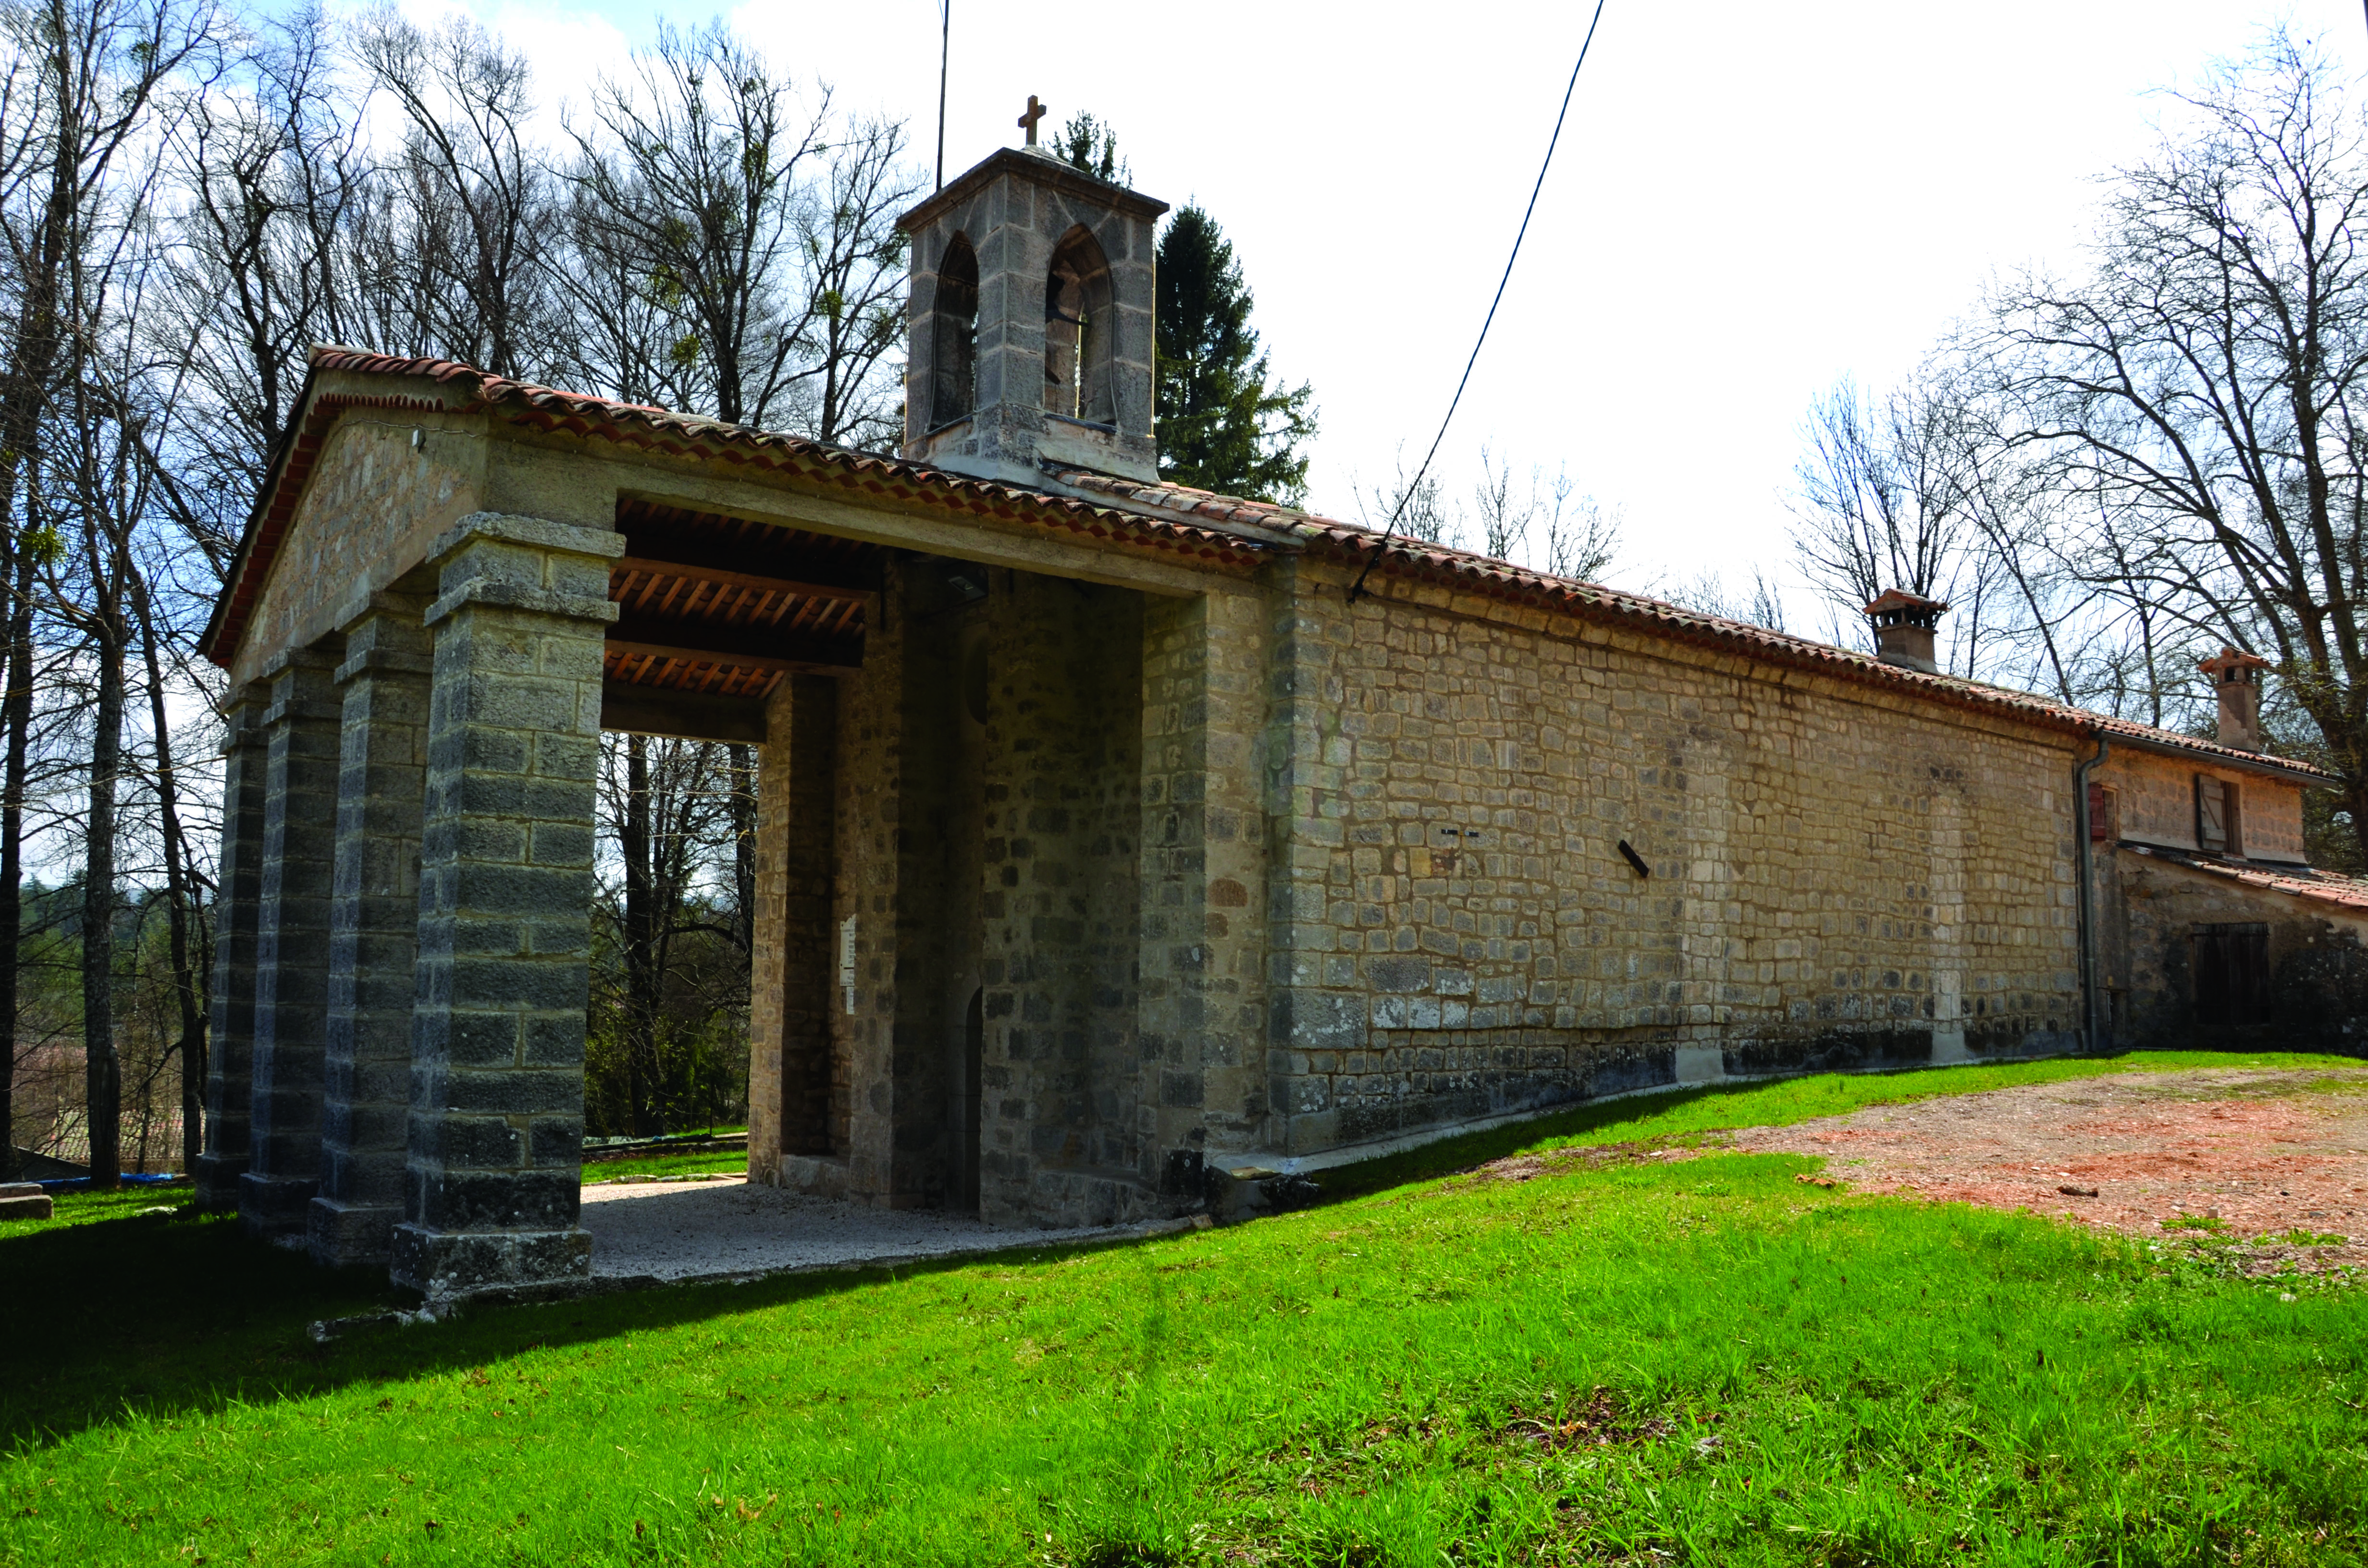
x=191, y=1046
x=744, y=843
x=16, y=721
x=103, y=1073
x=640, y=943
x=33, y=360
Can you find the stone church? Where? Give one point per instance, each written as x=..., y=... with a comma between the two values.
x=1112, y=850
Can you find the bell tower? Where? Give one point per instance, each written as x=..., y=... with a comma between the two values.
x=1030, y=321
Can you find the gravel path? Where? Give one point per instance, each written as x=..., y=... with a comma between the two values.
x=685, y=1229
x=2264, y=1154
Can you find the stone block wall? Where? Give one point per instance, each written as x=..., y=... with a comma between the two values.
x=1069, y=1126
x=1836, y=879
x=1015, y=209
x=2148, y=915
x=1203, y=1009
x=492, y=1171
x=373, y=929
x=2154, y=802
x=238, y=899
x=795, y=1078
x=291, y=951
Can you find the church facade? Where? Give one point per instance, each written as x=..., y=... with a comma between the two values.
x=1116, y=851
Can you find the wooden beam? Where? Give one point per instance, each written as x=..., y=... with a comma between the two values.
x=739, y=579
x=681, y=715
x=729, y=657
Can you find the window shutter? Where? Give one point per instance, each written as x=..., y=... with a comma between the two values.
x=2211, y=815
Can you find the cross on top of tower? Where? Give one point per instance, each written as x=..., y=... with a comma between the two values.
x=1027, y=121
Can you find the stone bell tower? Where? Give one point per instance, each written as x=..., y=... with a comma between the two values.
x=1030, y=321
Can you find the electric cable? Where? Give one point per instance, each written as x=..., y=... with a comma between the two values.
x=1356, y=589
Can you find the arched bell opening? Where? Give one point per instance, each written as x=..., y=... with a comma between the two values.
x=1079, y=337
x=953, y=336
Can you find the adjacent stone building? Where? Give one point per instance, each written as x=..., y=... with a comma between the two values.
x=1109, y=843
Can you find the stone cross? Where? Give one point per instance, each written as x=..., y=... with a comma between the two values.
x=1027, y=121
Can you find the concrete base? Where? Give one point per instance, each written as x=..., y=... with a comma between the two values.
x=1700, y=1063
x=340, y=1234
x=814, y=1175
x=1949, y=1045
x=217, y=1177
x=24, y=1200
x=272, y=1207
x=440, y=1264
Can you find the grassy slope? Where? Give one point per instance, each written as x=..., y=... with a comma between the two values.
x=724, y=1162
x=1835, y=1379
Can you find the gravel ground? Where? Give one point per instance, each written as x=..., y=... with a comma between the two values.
x=682, y=1230
x=2269, y=1155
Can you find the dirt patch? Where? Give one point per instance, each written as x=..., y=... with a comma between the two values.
x=2272, y=1167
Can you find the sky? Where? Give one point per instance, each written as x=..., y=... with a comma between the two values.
x=1749, y=201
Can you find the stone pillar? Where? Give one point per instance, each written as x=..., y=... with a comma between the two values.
x=1204, y=899
x=237, y=900
x=373, y=929
x=793, y=972
x=292, y=947
x=490, y=1191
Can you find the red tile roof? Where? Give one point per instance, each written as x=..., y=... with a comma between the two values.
x=1196, y=524
x=629, y=423
x=2300, y=881
x=1472, y=572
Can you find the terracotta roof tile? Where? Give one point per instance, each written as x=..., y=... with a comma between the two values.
x=1197, y=524
x=1486, y=574
x=2300, y=881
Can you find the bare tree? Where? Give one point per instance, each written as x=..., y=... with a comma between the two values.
x=2205, y=382
x=470, y=216
x=267, y=175
x=1581, y=537
x=739, y=250
x=82, y=81
x=1876, y=499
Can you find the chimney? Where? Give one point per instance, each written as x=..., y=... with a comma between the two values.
x=2237, y=678
x=1904, y=623
x=1029, y=322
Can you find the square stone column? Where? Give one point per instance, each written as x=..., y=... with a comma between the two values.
x=237, y=903
x=794, y=971
x=490, y=1189
x=373, y=929
x=292, y=947
x=1204, y=887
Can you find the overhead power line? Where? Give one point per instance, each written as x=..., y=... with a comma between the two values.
x=1356, y=589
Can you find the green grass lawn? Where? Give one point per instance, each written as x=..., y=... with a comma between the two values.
x=1702, y=1361
x=712, y=1161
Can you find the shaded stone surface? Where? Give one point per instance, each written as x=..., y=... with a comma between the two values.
x=291, y=947
x=229, y=1059
x=505, y=907
x=373, y=926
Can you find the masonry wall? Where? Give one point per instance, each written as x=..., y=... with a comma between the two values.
x=1065, y=1123
x=2150, y=914
x=2154, y=802
x=375, y=503
x=1838, y=878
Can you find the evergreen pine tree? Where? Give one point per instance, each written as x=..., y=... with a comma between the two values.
x=1222, y=425
x=1087, y=143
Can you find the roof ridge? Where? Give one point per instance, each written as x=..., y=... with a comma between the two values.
x=1139, y=504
